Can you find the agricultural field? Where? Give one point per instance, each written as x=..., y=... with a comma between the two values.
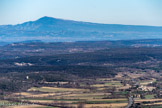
x=101, y=93
x=114, y=92
x=95, y=95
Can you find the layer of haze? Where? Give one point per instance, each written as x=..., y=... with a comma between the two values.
x=132, y=12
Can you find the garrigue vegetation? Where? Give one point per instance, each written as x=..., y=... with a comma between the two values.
x=81, y=74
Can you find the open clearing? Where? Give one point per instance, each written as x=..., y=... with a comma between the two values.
x=53, y=89
x=30, y=106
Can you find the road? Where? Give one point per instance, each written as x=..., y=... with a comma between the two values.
x=130, y=102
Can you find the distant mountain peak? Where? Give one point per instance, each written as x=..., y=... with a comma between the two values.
x=47, y=19
x=56, y=29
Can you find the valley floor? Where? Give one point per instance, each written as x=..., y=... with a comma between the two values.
x=91, y=93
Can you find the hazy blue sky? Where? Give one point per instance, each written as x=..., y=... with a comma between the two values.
x=134, y=12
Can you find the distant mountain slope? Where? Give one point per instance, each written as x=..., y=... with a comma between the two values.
x=53, y=29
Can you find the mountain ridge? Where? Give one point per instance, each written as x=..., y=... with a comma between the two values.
x=78, y=21
x=56, y=29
